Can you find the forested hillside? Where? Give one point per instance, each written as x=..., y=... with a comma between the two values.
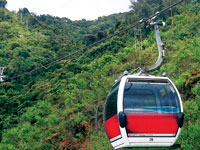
x=54, y=107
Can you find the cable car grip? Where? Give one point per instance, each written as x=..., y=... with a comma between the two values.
x=157, y=23
x=122, y=119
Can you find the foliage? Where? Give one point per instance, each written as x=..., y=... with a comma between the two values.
x=54, y=108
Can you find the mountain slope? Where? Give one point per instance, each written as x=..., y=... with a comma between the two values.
x=55, y=108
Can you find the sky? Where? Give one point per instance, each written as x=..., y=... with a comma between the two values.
x=72, y=9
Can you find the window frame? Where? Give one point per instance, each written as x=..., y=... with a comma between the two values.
x=156, y=93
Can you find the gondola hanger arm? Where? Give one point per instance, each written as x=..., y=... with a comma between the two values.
x=160, y=45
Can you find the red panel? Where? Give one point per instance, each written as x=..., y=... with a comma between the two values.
x=112, y=127
x=152, y=123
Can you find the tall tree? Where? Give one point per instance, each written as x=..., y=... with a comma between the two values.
x=146, y=7
x=3, y=3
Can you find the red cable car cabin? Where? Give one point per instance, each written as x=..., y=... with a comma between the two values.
x=143, y=111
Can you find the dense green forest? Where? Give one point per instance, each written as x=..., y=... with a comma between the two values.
x=54, y=108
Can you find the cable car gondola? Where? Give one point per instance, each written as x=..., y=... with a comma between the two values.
x=142, y=110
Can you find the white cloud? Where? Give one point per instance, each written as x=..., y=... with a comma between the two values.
x=73, y=9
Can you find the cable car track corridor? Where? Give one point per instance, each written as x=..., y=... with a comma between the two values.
x=95, y=43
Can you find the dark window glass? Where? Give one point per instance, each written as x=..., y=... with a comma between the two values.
x=111, y=103
x=150, y=98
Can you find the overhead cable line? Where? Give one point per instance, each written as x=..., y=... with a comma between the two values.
x=100, y=41
x=172, y=20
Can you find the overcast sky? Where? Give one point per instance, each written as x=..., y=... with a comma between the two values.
x=72, y=9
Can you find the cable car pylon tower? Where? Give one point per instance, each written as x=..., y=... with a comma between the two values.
x=1, y=74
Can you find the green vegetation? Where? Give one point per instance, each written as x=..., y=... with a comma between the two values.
x=54, y=108
x=3, y=3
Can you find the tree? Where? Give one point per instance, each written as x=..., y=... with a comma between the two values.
x=3, y=3
x=24, y=11
x=146, y=7
x=101, y=35
x=90, y=39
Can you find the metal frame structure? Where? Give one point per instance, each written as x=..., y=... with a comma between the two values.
x=1, y=74
x=161, y=48
x=161, y=55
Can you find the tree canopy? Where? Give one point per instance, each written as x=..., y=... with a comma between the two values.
x=54, y=108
